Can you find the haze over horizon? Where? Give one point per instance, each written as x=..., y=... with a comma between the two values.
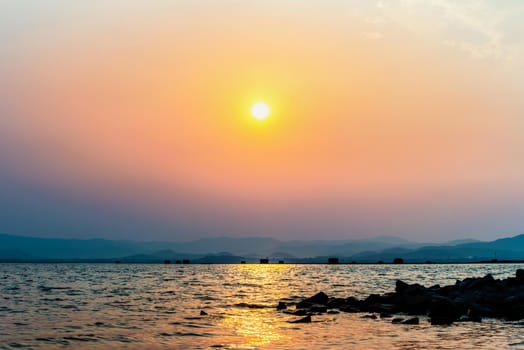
x=131, y=119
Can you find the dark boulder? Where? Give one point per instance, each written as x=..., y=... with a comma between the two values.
x=281, y=305
x=414, y=320
x=319, y=298
x=405, y=288
x=512, y=308
x=335, y=303
x=477, y=283
x=349, y=308
x=443, y=311
x=401, y=286
x=379, y=303
x=299, y=312
x=520, y=275
x=318, y=308
x=306, y=319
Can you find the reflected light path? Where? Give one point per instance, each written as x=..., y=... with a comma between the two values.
x=254, y=322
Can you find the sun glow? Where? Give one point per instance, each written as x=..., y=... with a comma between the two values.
x=260, y=110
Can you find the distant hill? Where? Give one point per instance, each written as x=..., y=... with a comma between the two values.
x=228, y=249
x=59, y=248
x=511, y=248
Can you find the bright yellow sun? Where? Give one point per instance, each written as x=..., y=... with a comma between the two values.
x=260, y=110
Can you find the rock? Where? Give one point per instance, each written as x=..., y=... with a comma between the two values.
x=397, y=320
x=335, y=303
x=474, y=315
x=466, y=318
x=319, y=298
x=401, y=286
x=299, y=312
x=379, y=303
x=372, y=316
x=481, y=310
x=468, y=300
x=415, y=304
x=349, y=308
x=520, y=275
x=443, y=311
x=333, y=312
x=414, y=320
x=476, y=283
x=281, y=305
x=350, y=304
x=318, y=308
x=306, y=319
x=203, y=313
x=513, y=307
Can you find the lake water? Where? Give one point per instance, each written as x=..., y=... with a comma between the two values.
x=100, y=306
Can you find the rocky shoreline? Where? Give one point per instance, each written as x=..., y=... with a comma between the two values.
x=468, y=300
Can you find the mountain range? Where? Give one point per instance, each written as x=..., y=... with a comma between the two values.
x=231, y=250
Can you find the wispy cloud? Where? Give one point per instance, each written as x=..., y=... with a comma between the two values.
x=482, y=29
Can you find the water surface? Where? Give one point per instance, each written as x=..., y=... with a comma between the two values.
x=100, y=306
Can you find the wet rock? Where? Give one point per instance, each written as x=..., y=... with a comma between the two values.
x=281, y=305
x=349, y=308
x=318, y=308
x=467, y=300
x=306, y=319
x=466, y=318
x=443, y=311
x=513, y=308
x=476, y=283
x=520, y=275
x=481, y=310
x=335, y=303
x=379, y=303
x=397, y=320
x=319, y=298
x=372, y=316
x=299, y=312
x=414, y=320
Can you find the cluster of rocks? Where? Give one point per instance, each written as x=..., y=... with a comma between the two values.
x=468, y=300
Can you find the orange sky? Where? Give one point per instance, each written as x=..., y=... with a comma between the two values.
x=408, y=110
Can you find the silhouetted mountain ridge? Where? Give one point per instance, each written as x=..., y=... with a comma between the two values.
x=228, y=249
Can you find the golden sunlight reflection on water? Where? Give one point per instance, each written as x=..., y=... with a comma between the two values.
x=253, y=325
x=253, y=328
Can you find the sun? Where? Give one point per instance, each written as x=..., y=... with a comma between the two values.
x=260, y=110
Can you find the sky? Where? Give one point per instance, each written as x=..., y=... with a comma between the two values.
x=129, y=119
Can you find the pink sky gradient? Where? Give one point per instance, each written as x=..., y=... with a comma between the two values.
x=130, y=119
